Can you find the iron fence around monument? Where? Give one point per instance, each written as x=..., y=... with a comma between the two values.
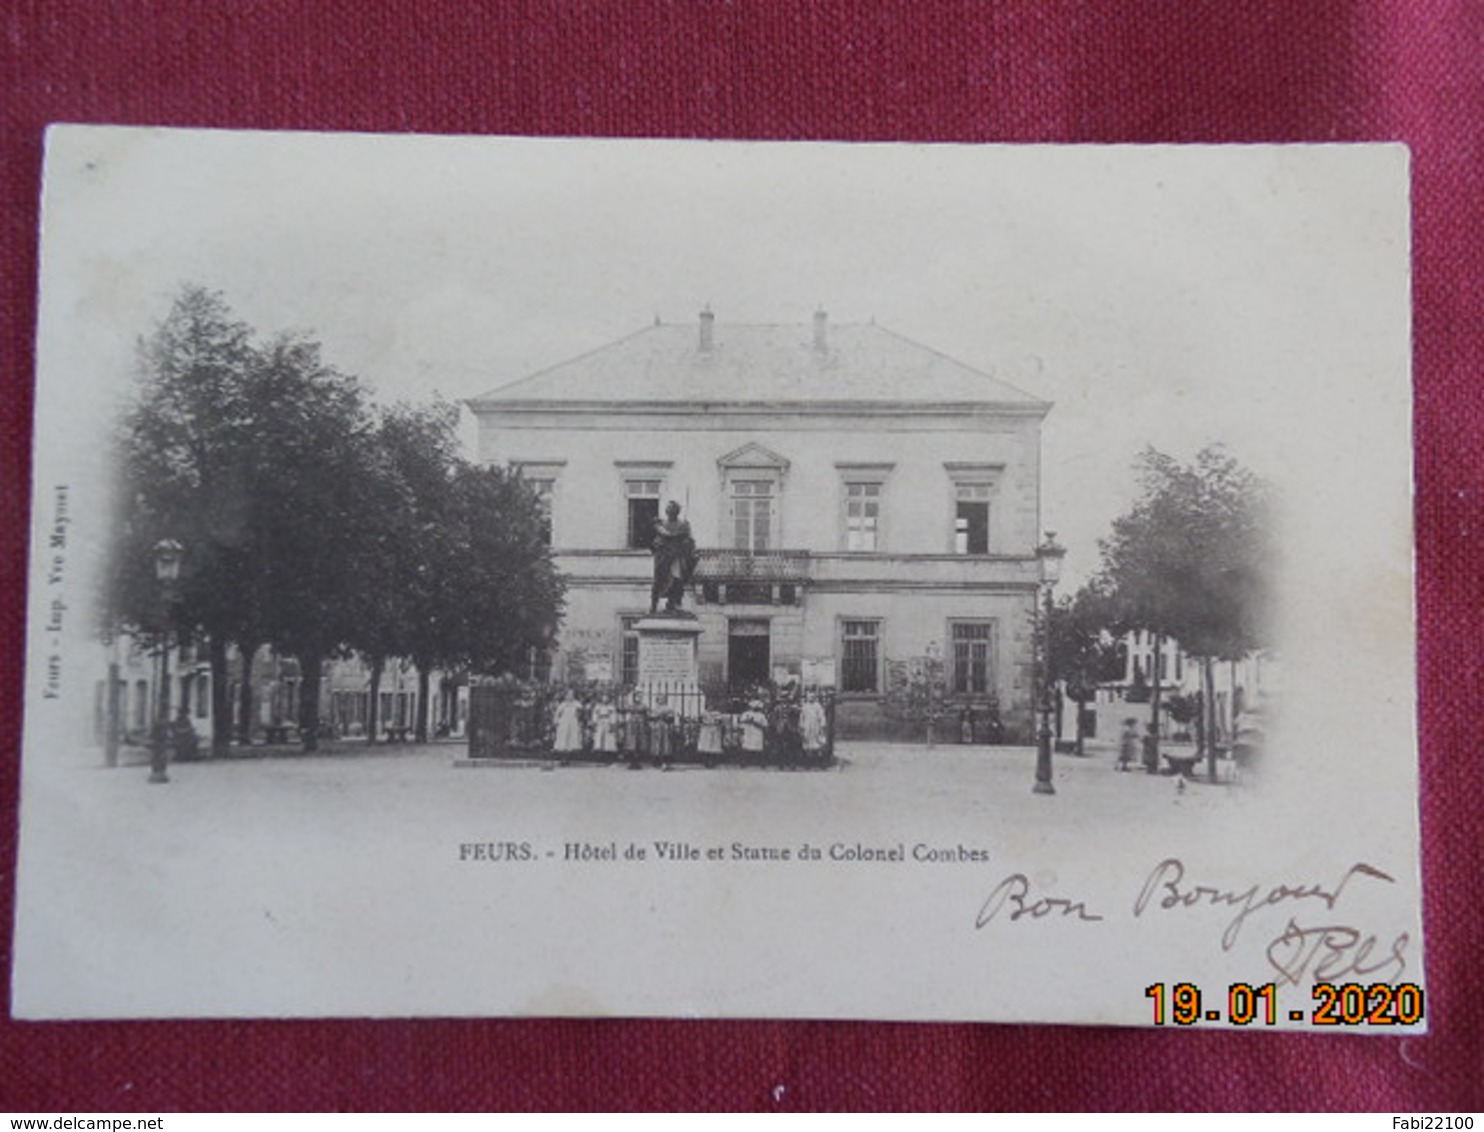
x=658, y=724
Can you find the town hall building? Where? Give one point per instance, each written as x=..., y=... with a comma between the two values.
x=857, y=499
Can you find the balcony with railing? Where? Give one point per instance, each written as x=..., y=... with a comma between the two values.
x=717, y=565
x=837, y=570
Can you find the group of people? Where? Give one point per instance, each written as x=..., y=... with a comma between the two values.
x=626, y=727
x=1131, y=747
x=1245, y=749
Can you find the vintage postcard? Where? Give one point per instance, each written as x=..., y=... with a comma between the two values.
x=493, y=576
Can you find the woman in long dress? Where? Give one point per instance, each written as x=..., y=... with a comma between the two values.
x=568, y=738
x=754, y=727
x=605, y=733
x=812, y=725
x=708, y=741
x=635, y=732
x=662, y=736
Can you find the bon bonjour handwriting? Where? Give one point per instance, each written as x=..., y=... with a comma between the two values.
x=1329, y=951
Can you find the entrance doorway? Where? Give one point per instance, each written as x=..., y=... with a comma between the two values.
x=748, y=654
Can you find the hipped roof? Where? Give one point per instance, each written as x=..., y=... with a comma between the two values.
x=770, y=364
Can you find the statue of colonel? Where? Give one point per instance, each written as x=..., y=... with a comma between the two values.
x=674, y=559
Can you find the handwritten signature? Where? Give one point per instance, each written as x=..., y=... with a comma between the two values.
x=1334, y=951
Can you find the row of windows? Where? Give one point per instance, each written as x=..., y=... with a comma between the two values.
x=353, y=708
x=1142, y=661
x=971, y=663
x=138, y=705
x=753, y=510
x=1143, y=666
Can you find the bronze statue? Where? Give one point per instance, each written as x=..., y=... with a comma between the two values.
x=674, y=559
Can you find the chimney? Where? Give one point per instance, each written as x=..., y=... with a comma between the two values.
x=708, y=322
x=821, y=339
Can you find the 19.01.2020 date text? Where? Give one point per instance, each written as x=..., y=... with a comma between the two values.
x=1334, y=1004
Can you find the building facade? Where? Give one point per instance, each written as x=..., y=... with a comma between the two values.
x=276, y=687
x=859, y=501
x=1239, y=687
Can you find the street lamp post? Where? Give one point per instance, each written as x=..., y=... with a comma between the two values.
x=1049, y=554
x=167, y=572
x=930, y=703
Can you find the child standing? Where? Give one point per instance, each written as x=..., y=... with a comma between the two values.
x=1128, y=744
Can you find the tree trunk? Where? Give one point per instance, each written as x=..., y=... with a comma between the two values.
x=1081, y=711
x=309, y=666
x=373, y=709
x=1156, y=679
x=221, y=696
x=1232, y=704
x=1208, y=680
x=422, y=702
x=244, y=692
x=1200, y=722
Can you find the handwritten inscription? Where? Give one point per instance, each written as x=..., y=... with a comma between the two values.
x=1166, y=889
x=1320, y=953
x=1299, y=952
x=1014, y=894
x=1335, y=952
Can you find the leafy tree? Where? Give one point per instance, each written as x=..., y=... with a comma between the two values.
x=1084, y=648
x=398, y=580
x=1193, y=559
x=183, y=444
x=311, y=524
x=504, y=594
x=459, y=575
x=305, y=509
x=431, y=562
x=243, y=454
x=1183, y=709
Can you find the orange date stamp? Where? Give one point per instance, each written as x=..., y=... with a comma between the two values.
x=1332, y=1004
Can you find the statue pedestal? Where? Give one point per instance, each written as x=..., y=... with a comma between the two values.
x=668, y=668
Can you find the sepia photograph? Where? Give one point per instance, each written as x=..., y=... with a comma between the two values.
x=494, y=576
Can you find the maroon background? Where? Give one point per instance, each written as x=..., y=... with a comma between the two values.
x=1029, y=70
